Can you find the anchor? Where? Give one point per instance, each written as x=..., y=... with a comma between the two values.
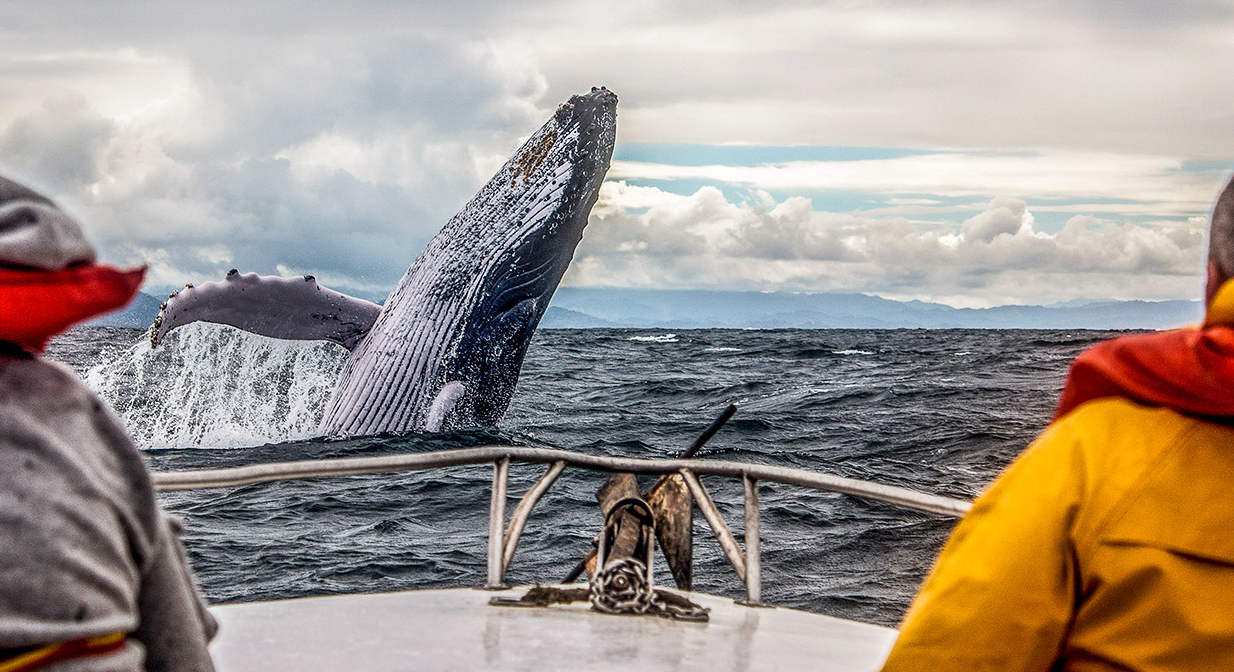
x=621, y=563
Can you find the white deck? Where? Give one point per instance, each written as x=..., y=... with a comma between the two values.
x=457, y=629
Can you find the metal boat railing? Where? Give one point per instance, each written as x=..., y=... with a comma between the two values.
x=501, y=545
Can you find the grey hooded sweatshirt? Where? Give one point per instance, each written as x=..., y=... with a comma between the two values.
x=84, y=548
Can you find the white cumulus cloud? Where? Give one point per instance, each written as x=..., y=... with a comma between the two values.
x=997, y=256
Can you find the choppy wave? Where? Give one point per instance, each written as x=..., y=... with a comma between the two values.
x=897, y=407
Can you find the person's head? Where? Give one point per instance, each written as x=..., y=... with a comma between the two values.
x=49, y=280
x=1221, y=243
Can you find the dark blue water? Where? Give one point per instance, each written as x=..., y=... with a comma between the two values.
x=937, y=411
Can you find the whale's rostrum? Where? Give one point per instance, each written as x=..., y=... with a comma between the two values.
x=446, y=348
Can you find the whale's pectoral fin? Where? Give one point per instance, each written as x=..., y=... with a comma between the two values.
x=294, y=308
x=445, y=401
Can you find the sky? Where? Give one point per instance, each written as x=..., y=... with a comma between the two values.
x=974, y=153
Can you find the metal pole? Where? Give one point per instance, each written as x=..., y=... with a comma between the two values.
x=712, y=514
x=359, y=466
x=708, y=433
x=496, y=521
x=754, y=565
x=519, y=519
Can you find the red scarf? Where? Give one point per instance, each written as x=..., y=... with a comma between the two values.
x=36, y=305
x=1188, y=370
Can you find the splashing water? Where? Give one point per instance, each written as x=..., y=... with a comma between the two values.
x=213, y=386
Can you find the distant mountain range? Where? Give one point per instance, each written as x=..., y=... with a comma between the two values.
x=575, y=308
x=697, y=309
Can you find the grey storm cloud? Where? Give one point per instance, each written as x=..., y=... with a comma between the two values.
x=242, y=170
x=261, y=99
x=59, y=146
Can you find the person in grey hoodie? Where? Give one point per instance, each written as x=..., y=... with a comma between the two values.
x=92, y=573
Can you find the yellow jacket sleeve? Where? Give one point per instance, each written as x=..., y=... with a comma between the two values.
x=1001, y=594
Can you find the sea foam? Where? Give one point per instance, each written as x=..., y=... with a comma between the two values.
x=213, y=386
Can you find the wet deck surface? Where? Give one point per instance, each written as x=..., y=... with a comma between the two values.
x=457, y=629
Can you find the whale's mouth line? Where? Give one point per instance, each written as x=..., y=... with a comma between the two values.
x=538, y=251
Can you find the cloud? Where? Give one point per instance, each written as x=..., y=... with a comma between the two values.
x=994, y=257
x=60, y=146
x=1126, y=78
x=1150, y=184
x=342, y=162
x=1005, y=217
x=1006, y=74
x=258, y=99
x=786, y=231
x=316, y=136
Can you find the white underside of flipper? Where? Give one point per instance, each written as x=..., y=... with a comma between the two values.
x=445, y=401
x=293, y=308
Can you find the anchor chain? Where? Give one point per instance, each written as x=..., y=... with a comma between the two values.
x=621, y=587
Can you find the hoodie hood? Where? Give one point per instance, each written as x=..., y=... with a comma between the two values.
x=49, y=279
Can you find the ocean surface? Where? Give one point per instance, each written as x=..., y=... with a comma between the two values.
x=940, y=411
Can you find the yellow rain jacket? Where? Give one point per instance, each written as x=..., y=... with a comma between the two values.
x=1109, y=544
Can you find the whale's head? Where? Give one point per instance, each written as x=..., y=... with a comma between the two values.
x=552, y=182
x=447, y=348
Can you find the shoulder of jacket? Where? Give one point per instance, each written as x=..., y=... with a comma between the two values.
x=1138, y=430
x=1134, y=454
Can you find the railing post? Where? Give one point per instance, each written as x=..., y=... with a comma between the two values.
x=754, y=571
x=519, y=518
x=496, y=525
x=727, y=542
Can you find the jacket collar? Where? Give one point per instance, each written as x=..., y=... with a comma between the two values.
x=1221, y=308
x=1189, y=370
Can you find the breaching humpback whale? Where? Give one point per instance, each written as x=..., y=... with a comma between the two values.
x=445, y=349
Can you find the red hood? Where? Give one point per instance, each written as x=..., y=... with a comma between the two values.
x=1188, y=370
x=37, y=305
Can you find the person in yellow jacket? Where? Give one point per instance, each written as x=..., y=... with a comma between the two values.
x=1109, y=544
